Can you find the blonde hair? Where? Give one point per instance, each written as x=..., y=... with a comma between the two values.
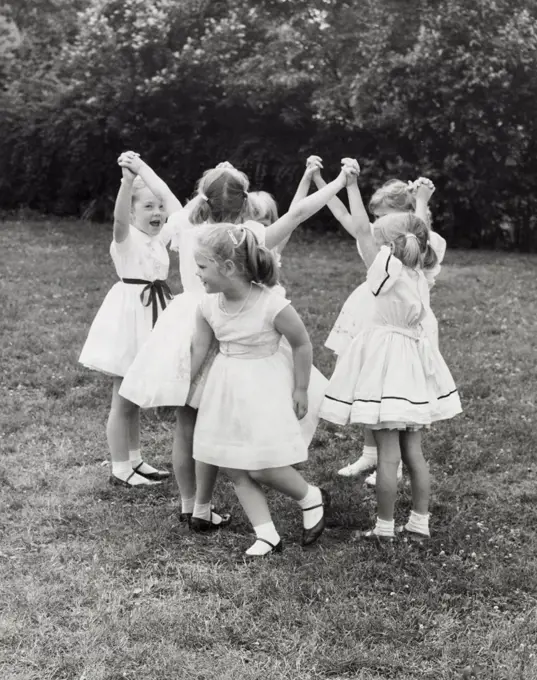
x=263, y=208
x=239, y=245
x=394, y=195
x=222, y=196
x=408, y=236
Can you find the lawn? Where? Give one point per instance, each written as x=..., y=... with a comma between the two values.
x=101, y=583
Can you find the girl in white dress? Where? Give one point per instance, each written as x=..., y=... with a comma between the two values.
x=127, y=314
x=253, y=397
x=393, y=196
x=160, y=375
x=392, y=377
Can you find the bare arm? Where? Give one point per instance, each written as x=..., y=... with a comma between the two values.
x=337, y=207
x=122, y=208
x=301, y=211
x=201, y=341
x=155, y=184
x=290, y=325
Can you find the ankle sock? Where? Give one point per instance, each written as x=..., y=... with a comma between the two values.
x=384, y=527
x=418, y=524
x=203, y=511
x=312, y=498
x=268, y=532
x=135, y=458
x=187, y=505
x=370, y=453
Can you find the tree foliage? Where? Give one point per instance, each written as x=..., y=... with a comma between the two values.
x=445, y=88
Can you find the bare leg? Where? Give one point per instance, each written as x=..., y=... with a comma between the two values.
x=254, y=503
x=286, y=480
x=419, y=472
x=389, y=459
x=118, y=429
x=182, y=460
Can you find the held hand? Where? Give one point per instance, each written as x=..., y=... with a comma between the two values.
x=423, y=189
x=131, y=160
x=300, y=402
x=350, y=170
x=314, y=165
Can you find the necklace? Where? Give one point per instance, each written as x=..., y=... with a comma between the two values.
x=241, y=308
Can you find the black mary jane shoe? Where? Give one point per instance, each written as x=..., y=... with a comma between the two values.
x=274, y=549
x=185, y=517
x=199, y=525
x=116, y=481
x=157, y=476
x=309, y=536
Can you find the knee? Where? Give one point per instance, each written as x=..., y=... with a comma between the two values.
x=258, y=476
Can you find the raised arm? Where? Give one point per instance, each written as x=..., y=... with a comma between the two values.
x=156, y=185
x=122, y=208
x=423, y=189
x=367, y=247
x=301, y=211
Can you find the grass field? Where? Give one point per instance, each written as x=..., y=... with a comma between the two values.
x=100, y=583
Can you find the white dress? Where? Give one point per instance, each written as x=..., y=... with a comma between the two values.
x=358, y=308
x=160, y=374
x=123, y=322
x=246, y=418
x=392, y=374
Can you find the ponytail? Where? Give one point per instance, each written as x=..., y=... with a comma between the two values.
x=200, y=211
x=260, y=262
x=430, y=258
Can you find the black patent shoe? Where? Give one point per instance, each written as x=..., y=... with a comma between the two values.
x=309, y=536
x=274, y=549
x=200, y=525
x=157, y=476
x=116, y=481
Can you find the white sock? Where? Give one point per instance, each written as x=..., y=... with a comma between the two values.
x=268, y=532
x=135, y=458
x=370, y=453
x=418, y=524
x=312, y=498
x=187, y=505
x=123, y=470
x=203, y=511
x=384, y=527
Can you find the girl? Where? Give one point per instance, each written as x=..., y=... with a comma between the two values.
x=126, y=317
x=160, y=374
x=393, y=196
x=247, y=421
x=391, y=378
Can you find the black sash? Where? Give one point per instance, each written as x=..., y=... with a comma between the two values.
x=157, y=291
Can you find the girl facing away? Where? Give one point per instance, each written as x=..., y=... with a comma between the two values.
x=393, y=196
x=161, y=375
x=126, y=316
x=391, y=378
x=248, y=418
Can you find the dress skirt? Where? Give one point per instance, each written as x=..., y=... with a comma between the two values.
x=391, y=377
x=120, y=329
x=258, y=427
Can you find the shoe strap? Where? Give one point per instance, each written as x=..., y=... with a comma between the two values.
x=264, y=540
x=313, y=507
x=135, y=470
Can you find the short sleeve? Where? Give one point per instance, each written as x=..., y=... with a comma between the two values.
x=174, y=227
x=257, y=229
x=121, y=247
x=384, y=271
x=438, y=244
x=275, y=305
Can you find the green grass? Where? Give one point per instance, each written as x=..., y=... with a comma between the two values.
x=99, y=583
